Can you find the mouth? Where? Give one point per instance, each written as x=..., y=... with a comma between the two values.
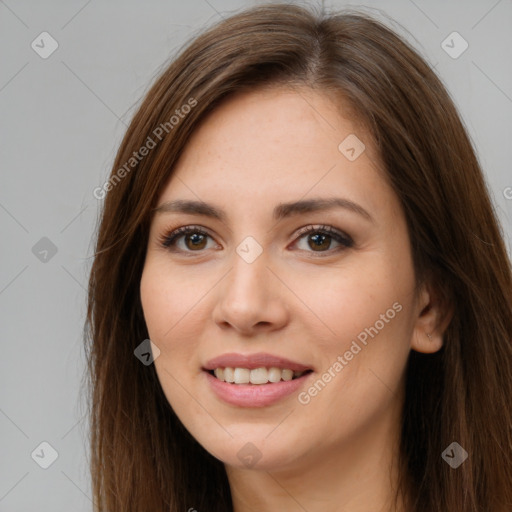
x=256, y=376
x=255, y=380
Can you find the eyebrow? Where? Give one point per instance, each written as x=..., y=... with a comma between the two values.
x=281, y=211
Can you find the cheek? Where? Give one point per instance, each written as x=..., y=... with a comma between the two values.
x=366, y=319
x=171, y=311
x=347, y=300
x=171, y=314
x=168, y=299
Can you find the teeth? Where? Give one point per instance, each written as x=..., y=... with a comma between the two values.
x=229, y=375
x=242, y=376
x=259, y=376
x=256, y=375
x=287, y=374
x=274, y=374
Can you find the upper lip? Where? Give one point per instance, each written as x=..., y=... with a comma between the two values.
x=251, y=361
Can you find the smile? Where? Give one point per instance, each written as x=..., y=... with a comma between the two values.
x=257, y=376
x=254, y=380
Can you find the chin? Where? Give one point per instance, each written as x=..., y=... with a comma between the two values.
x=253, y=451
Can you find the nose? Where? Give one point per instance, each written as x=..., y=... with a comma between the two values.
x=250, y=299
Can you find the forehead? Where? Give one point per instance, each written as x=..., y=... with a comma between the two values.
x=272, y=145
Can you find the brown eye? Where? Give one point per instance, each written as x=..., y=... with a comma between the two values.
x=186, y=239
x=195, y=241
x=320, y=239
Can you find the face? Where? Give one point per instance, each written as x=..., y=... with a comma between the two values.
x=298, y=265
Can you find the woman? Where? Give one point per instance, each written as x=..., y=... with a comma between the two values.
x=297, y=221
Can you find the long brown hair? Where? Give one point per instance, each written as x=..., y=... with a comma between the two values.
x=142, y=457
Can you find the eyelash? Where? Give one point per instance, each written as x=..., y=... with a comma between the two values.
x=168, y=241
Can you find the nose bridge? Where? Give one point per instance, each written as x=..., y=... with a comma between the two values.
x=248, y=296
x=248, y=267
x=247, y=282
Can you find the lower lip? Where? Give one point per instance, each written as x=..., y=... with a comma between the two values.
x=254, y=395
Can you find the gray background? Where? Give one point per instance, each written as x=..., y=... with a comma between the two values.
x=62, y=120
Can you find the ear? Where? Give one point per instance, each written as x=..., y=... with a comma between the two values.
x=433, y=317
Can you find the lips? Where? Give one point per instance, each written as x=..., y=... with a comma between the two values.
x=232, y=378
x=252, y=361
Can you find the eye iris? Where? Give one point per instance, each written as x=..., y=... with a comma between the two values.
x=319, y=241
x=198, y=241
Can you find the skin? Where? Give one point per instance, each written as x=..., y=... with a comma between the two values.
x=256, y=150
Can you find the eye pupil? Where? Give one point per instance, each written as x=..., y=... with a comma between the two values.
x=319, y=241
x=198, y=240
